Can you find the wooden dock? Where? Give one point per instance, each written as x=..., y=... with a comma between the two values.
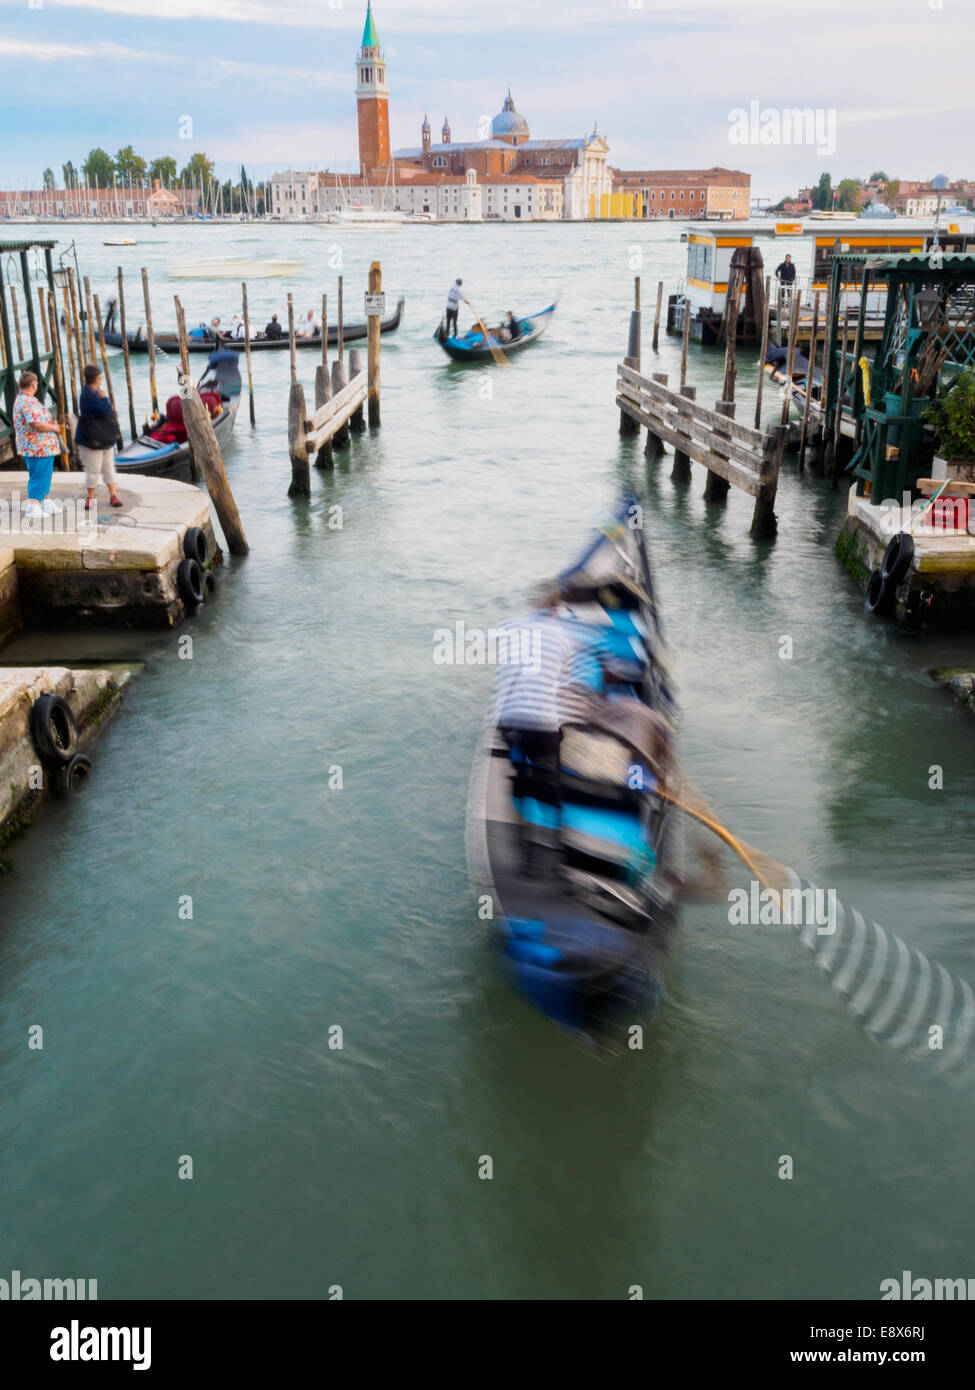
x=340, y=396
x=734, y=454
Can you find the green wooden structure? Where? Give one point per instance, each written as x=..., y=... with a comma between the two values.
x=38, y=361
x=928, y=339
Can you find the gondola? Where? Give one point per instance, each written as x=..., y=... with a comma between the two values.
x=585, y=892
x=162, y=457
x=168, y=342
x=471, y=346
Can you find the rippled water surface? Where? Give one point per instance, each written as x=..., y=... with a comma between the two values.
x=315, y=907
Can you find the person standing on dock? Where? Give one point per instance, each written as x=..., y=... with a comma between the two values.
x=38, y=442
x=454, y=300
x=95, y=437
x=786, y=272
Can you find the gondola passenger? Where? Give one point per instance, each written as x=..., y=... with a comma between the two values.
x=512, y=327
x=273, y=328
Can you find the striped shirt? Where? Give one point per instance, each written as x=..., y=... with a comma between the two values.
x=534, y=667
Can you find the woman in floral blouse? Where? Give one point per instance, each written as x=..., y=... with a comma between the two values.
x=38, y=441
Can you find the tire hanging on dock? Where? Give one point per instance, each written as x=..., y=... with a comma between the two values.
x=190, y=582
x=54, y=730
x=76, y=774
x=195, y=545
x=881, y=595
x=897, y=558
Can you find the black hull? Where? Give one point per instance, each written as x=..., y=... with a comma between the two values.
x=168, y=342
x=483, y=352
x=178, y=461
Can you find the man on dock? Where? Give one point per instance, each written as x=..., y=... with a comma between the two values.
x=454, y=300
x=786, y=272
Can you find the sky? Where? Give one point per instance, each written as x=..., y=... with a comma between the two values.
x=270, y=83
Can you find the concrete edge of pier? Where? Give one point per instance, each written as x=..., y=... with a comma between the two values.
x=938, y=591
x=112, y=567
x=93, y=695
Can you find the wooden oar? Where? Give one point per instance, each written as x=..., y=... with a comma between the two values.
x=893, y=990
x=496, y=352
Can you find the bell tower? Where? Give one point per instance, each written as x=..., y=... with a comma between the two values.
x=372, y=99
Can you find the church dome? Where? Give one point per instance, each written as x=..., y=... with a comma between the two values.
x=508, y=123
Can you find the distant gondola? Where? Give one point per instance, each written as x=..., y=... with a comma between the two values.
x=159, y=457
x=471, y=347
x=168, y=342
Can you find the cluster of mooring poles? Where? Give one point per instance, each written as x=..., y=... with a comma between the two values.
x=344, y=398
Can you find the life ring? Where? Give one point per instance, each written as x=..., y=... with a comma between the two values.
x=54, y=730
x=76, y=774
x=195, y=545
x=881, y=595
x=190, y=582
x=897, y=558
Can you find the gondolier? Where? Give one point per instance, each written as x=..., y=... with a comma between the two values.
x=454, y=300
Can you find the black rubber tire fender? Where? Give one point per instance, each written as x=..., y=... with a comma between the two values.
x=76, y=774
x=190, y=582
x=880, y=595
x=897, y=558
x=54, y=730
x=195, y=545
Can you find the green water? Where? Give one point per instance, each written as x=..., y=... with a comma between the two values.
x=315, y=907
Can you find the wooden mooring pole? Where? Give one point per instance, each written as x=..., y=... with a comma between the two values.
x=66, y=314
x=685, y=341
x=372, y=348
x=763, y=353
x=52, y=318
x=323, y=389
x=357, y=421
x=840, y=388
x=716, y=487
x=125, y=354
x=92, y=353
x=764, y=524
x=76, y=327
x=206, y=450
x=153, y=394
x=810, y=375
x=106, y=370
x=654, y=446
x=790, y=363
x=247, y=349
x=681, y=471
x=730, y=344
x=340, y=439
x=656, y=316
x=300, y=485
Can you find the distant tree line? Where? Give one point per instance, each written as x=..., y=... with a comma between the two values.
x=129, y=170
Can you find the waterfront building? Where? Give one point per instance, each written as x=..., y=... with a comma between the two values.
x=719, y=193
x=91, y=202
